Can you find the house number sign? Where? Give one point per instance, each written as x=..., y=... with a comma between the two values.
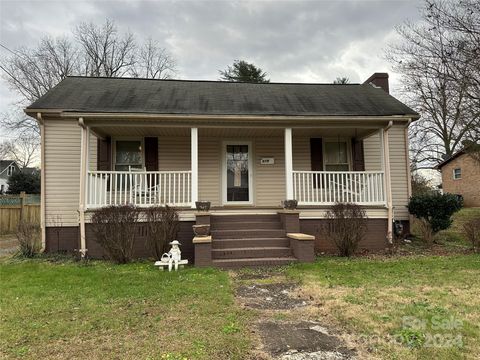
x=267, y=161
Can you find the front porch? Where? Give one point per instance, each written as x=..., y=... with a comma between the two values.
x=261, y=170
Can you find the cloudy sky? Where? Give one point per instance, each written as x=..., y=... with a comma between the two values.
x=294, y=41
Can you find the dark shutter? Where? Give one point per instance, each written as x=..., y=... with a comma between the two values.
x=104, y=154
x=316, y=158
x=316, y=154
x=357, y=155
x=151, y=153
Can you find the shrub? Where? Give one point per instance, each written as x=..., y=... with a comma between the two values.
x=471, y=231
x=115, y=228
x=162, y=225
x=346, y=226
x=24, y=181
x=434, y=212
x=29, y=238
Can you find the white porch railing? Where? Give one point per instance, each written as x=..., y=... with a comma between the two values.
x=141, y=188
x=329, y=187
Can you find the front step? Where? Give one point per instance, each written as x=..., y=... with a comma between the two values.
x=215, y=219
x=238, y=225
x=255, y=242
x=247, y=234
x=268, y=261
x=251, y=253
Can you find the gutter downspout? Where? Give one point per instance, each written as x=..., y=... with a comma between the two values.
x=407, y=161
x=388, y=182
x=41, y=123
x=83, y=176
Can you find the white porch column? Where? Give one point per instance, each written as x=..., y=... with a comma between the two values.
x=288, y=164
x=388, y=181
x=194, y=160
x=84, y=151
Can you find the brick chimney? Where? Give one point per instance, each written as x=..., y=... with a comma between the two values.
x=379, y=80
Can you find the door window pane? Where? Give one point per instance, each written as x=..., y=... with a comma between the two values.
x=237, y=173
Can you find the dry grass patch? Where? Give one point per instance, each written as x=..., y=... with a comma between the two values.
x=399, y=308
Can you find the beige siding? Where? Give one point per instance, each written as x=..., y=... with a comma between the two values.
x=174, y=153
x=372, y=150
x=93, y=153
x=269, y=180
x=398, y=170
x=209, y=173
x=301, y=153
x=62, y=172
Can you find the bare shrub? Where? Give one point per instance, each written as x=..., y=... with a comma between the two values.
x=115, y=228
x=346, y=226
x=162, y=225
x=29, y=238
x=471, y=231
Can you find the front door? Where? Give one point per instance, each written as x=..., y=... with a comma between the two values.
x=237, y=173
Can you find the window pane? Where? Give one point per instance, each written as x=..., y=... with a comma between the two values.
x=336, y=152
x=128, y=153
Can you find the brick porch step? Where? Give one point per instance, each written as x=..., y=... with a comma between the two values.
x=268, y=261
x=239, y=225
x=254, y=242
x=251, y=253
x=251, y=233
x=215, y=219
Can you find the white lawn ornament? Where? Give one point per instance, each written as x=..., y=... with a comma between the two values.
x=173, y=258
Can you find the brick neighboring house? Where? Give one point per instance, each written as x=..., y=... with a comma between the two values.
x=461, y=175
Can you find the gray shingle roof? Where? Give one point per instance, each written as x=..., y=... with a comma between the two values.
x=87, y=94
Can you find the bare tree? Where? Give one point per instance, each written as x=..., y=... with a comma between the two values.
x=24, y=150
x=438, y=85
x=154, y=62
x=106, y=53
x=92, y=50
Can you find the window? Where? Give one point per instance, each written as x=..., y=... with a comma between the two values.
x=128, y=155
x=2, y=189
x=336, y=156
x=457, y=174
x=10, y=170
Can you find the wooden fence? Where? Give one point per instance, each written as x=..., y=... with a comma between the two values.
x=14, y=208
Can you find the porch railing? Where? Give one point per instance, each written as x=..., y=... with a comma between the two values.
x=141, y=188
x=329, y=187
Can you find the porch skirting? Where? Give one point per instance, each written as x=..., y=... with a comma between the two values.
x=66, y=239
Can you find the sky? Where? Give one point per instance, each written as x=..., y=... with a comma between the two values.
x=293, y=41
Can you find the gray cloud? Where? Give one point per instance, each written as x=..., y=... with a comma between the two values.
x=309, y=41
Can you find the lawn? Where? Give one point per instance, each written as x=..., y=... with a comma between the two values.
x=68, y=310
x=419, y=307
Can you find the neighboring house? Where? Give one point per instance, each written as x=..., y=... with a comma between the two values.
x=461, y=176
x=244, y=147
x=7, y=168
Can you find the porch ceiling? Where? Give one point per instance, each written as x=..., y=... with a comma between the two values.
x=230, y=132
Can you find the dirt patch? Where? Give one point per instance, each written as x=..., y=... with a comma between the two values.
x=8, y=244
x=276, y=296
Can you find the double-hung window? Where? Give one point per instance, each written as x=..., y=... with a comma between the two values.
x=457, y=174
x=128, y=155
x=336, y=155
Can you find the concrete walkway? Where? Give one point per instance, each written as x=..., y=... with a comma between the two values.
x=282, y=330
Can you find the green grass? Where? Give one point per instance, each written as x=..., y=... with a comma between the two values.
x=376, y=299
x=100, y=310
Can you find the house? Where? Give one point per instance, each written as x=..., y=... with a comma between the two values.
x=7, y=168
x=461, y=176
x=243, y=147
